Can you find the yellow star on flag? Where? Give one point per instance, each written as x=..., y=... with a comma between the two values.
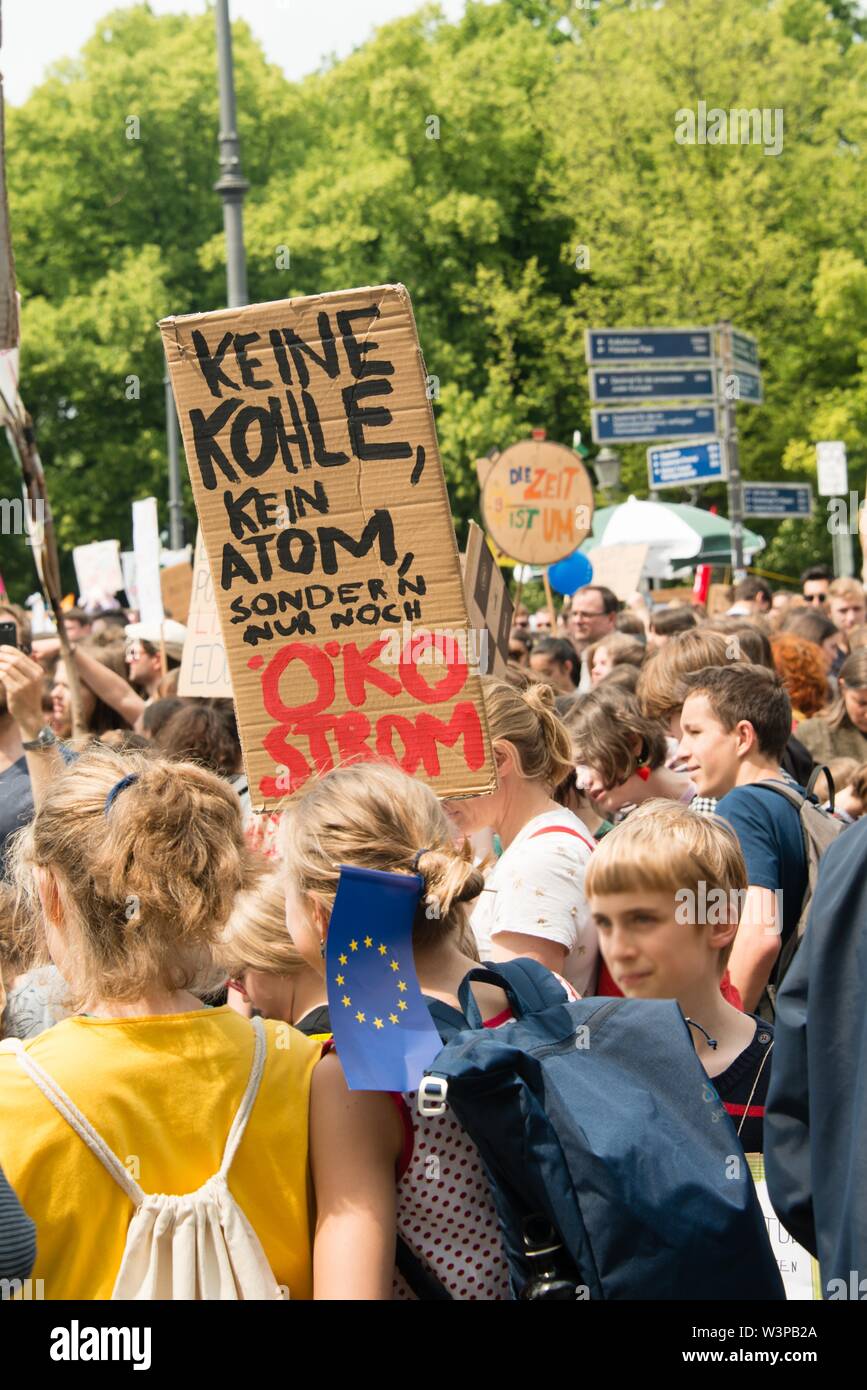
x=346, y=1001
x=368, y=941
x=401, y=1004
x=342, y=959
x=353, y=945
x=360, y=1016
x=393, y=1018
x=383, y=950
x=378, y=1023
x=401, y=985
x=394, y=965
x=339, y=979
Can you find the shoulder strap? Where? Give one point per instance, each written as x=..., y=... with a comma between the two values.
x=239, y=1124
x=66, y=1107
x=561, y=830
x=793, y=795
x=70, y=1112
x=814, y=777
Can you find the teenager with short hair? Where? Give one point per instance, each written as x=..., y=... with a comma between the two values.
x=666, y=622
x=665, y=889
x=846, y=603
x=621, y=754
x=619, y=649
x=735, y=724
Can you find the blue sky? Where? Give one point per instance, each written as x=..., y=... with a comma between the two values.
x=296, y=34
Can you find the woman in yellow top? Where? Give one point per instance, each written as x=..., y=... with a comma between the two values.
x=133, y=865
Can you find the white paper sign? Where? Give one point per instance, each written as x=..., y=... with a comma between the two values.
x=146, y=547
x=832, y=469
x=97, y=569
x=798, y=1270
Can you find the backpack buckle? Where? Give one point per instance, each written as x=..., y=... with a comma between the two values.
x=432, y=1094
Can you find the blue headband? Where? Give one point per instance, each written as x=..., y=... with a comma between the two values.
x=119, y=787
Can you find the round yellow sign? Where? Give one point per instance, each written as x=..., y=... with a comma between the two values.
x=537, y=502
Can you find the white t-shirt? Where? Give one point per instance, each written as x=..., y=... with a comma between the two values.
x=537, y=887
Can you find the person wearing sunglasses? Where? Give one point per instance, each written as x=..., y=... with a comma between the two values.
x=815, y=583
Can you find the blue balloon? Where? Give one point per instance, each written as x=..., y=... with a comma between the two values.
x=571, y=574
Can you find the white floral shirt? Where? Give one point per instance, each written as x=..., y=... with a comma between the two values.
x=537, y=888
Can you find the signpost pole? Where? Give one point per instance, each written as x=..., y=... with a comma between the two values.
x=735, y=494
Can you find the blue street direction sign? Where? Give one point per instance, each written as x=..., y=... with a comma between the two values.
x=622, y=345
x=777, y=499
x=742, y=386
x=643, y=426
x=668, y=384
x=683, y=465
x=742, y=348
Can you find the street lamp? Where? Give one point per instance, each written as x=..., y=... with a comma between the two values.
x=607, y=467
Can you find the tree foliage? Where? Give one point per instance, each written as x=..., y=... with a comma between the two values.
x=470, y=161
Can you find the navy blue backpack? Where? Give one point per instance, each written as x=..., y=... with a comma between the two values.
x=597, y=1116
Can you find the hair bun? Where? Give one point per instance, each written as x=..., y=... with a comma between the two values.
x=449, y=877
x=539, y=696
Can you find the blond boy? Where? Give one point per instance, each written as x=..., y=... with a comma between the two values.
x=665, y=890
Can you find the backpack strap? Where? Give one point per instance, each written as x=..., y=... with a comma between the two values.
x=70, y=1112
x=239, y=1124
x=528, y=986
x=814, y=777
x=561, y=830
x=793, y=795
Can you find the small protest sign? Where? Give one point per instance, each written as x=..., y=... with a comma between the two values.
x=537, y=502
x=489, y=603
x=146, y=548
x=310, y=442
x=97, y=570
x=204, y=666
x=176, y=583
x=618, y=567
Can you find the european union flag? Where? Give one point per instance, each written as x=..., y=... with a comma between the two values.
x=384, y=1034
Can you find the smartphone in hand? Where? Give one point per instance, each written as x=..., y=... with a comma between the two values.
x=8, y=635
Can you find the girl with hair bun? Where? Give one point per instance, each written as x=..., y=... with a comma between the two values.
x=533, y=904
x=376, y=817
x=131, y=868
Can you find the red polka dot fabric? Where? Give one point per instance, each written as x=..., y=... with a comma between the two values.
x=445, y=1211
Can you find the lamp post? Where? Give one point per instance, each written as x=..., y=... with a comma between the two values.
x=607, y=468
x=231, y=185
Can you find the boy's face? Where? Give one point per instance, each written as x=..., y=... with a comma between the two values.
x=650, y=954
x=709, y=751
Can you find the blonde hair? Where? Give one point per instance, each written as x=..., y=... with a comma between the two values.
x=257, y=936
x=846, y=587
x=374, y=816
x=146, y=884
x=664, y=847
x=526, y=719
x=660, y=682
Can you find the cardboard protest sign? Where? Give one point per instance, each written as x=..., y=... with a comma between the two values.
x=489, y=603
x=537, y=502
x=618, y=567
x=176, y=585
x=204, y=665
x=97, y=569
x=310, y=441
x=146, y=548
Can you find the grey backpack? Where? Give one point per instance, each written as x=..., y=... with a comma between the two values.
x=818, y=830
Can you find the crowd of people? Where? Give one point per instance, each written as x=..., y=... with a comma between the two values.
x=669, y=784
